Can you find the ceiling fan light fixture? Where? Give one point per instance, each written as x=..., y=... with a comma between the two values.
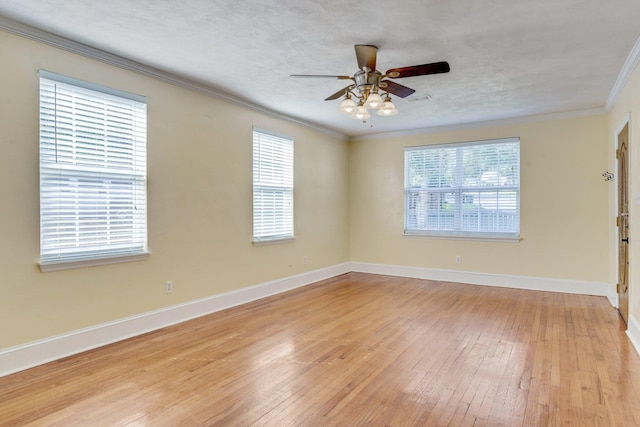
x=388, y=109
x=360, y=113
x=347, y=106
x=368, y=82
x=374, y=101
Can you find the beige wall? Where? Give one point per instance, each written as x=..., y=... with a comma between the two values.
x=627, y=107
x=564, y=204
x=199, y=203
x=348, y=197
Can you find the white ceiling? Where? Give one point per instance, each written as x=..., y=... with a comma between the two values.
x=509, y=58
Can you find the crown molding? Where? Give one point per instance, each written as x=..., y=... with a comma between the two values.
x=45, y=37
x=628, y=67
x=483, y=124
x=42, y=36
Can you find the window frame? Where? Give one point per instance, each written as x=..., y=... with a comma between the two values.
x=284, y=175
x=117, y=182
x=458, y=189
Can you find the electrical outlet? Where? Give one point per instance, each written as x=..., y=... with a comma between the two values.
x=458, y=259
x=304, y=260
x=168, y=287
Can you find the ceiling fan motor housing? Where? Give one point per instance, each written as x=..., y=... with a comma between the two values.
x=368, y=80
x=365, y=82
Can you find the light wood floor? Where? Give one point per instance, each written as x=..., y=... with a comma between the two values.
x=354, y=350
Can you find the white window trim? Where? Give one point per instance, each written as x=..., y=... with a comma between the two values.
x=462, y=235
x=68, y=265
x=273, y=241
x=485, y=237
x=91, y=86
x=275, y=238
x=87, y=260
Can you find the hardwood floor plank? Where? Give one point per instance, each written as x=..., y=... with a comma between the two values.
x=357, y=349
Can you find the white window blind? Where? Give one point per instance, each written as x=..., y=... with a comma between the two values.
x=466, y=189
x=92, y=172
x=272, y=186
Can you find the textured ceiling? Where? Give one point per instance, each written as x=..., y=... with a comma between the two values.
x=509, y=58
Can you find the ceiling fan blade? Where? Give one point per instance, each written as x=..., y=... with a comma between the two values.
x=322, y=76
x=419, y=70
x=396, y=89
x=366, y=55
x=339, y=93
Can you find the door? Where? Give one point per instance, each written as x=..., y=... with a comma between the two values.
x=623, y=224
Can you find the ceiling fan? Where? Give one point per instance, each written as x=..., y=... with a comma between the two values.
x=367, y=83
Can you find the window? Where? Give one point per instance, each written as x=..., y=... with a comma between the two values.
x=272, y=187
x=92, y=174
x=465, y=190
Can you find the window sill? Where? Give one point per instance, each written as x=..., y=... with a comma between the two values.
x=275, y=241
x=482, y=238
x=68, y=265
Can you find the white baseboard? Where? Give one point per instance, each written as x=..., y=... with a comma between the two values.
x=633, y=332
x=518, y=282
x=18, y=358
x=35, y=353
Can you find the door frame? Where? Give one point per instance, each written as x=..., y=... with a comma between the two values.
x=626, y=121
